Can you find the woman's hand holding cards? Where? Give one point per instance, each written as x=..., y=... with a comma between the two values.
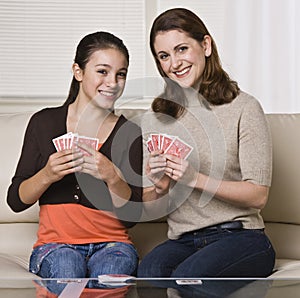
x=180, y=170
x=155, y=171
x=168, y=157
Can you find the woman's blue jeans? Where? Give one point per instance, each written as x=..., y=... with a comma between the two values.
x=55, y=260
x=221, y=253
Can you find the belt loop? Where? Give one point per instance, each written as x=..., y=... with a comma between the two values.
x=219, y=228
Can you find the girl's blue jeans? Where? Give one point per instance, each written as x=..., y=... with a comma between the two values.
x=221, y=253
x=54, y=260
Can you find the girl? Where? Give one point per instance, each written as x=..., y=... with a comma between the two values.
x=86, y=195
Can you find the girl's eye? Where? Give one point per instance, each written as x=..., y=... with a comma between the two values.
x=182, y=49
x=122, y=75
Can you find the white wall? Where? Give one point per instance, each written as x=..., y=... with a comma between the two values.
x=257, y=41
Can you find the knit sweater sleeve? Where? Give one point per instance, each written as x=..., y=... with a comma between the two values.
x=255, y=146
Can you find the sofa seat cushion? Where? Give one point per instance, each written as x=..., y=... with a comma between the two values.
x=17, y=238
x=147, y=235
x=14, y=267
x=286, y=268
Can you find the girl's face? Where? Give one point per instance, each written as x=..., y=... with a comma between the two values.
x=103, y=79
x=181, y=57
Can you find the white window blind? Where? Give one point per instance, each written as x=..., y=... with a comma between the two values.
x=211, y=12
x=39, y=39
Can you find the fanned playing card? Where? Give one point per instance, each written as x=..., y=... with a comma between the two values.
x=179, y=148
x=68, y=140
x=91, y=142
x=169, y=144
x=166, y=141
x=155, y=141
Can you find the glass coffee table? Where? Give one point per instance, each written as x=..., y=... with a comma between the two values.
x=152, y=288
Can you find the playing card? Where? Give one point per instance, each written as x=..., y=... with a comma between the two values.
x=72, y=137
x=160, y=140
x=91, y=142
x=56, y=144
x=169, y=144
x=60, y=142
x=155, y=141
x=166, y=141
x=68, y=140
x=150, y=145
x=179, y=148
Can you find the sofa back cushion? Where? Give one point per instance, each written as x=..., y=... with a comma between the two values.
x=11, y=135
x=282, y=212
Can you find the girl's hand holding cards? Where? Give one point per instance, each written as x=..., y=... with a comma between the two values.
x=63, y=163
x=97, y=164
x=71, y=148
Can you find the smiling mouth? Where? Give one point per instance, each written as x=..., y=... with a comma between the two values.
x=182, y=72
x=107, y=93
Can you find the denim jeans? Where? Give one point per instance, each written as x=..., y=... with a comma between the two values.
x=221, y=253
x=55, y=260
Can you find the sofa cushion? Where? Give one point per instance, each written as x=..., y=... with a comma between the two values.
x=281, y=214
x=14, y=267
x=11, y=136
x=283, y=204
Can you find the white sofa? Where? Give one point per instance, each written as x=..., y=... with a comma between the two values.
x=282, y=213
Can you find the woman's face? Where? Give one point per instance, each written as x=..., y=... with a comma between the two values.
x=181, y=57
x=103, y=79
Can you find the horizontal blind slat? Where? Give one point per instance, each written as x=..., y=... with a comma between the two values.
x=39, y=38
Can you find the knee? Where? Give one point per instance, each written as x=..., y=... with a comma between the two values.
x=143, y=270
x=63, y=262
x=114, y=259
x=152, y=267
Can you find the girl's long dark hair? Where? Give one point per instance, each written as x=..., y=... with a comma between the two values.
x=216, y=85
x=87, y=46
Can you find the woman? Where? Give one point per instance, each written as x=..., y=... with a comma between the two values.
x=86, y=194
x=213, y=196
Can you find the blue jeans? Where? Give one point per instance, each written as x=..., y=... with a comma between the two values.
x=55, y=260
x=222, y=253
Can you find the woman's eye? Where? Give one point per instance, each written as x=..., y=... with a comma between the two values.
x=102, y=71
x=162, y=56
